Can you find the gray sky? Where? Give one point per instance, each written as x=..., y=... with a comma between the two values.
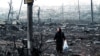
x=16, y=3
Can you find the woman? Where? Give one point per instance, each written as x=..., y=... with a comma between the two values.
x=59, y=38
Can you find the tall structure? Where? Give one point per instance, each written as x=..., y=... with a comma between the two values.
x=38, y=14
x=79, y=10
x=92, y=16
x=19, y=10
x=10, y=13
x=30, y=28
x=62, y=10
x=29, y=25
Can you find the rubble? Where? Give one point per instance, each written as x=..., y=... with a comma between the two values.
x=80, y=43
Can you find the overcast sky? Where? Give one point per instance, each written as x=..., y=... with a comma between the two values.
x=16, y=3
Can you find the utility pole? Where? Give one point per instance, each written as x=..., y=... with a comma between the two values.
x=92, y=11
x=79, y=10
x=10, y=13
x=38, y=14
x=62, y=11
x=19, y=10
x=30, y=24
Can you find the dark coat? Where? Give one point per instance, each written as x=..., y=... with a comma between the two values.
x=59, y=37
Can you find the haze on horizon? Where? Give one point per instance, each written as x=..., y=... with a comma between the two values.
x=16, y=3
